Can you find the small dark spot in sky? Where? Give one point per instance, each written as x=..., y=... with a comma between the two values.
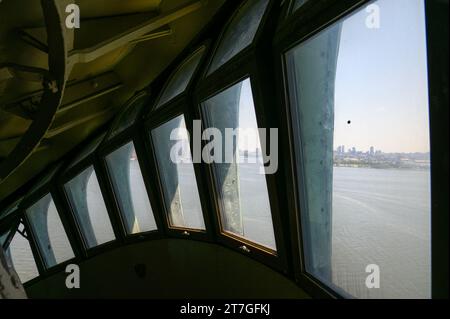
x=349, y=122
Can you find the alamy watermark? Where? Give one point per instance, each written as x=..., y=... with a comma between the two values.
x=226, y=146
x=73, y=277
x=73, y=19
x=373, y=20
x=373, y=279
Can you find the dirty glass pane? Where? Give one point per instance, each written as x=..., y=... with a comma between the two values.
x=3, y=238
x=128, y=117
x=361, y=128
x=45, y=180
x=87, y=202
x=90, y=148
x=10, y=209
x=298, y=4
x=130, y=191
x=181, y=79
x=240, y=33
x=240, y=178
x=177, y=175
x=49, y=231
x=22, y=258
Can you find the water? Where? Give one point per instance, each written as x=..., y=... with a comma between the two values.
x=379, y=217
x=382, y=217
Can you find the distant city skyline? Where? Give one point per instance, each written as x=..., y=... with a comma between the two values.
x=344, y=149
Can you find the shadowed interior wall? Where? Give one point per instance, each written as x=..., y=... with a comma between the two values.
x=175, y=268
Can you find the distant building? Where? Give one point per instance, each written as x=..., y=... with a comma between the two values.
x=372, y=150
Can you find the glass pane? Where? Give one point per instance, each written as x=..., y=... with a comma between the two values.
x=90, y=148
x=178, y=177
x=49, y=231
x=240, y=33
x=128, y=117
x=10, y=209
x=130, y=190
x=45, y=180
x=22, y=258
x=298, y=4
x=89, y=207
x=360, y=101
x=3, y=238
x=181, y=79
x=241, y=180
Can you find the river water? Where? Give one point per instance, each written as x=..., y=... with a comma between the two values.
x=380, y=216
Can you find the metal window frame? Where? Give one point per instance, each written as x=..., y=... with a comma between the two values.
x=135, y=132
x=301, y=26
x=11, y=229
x=111, y=139
x=48, y=188
x=250, y=63
x=436, y=15
x=179, y=108
x=290, y=30
x=131, y=135
x=33, y=236
x=15, y=231
x=92, y=160
x=232, y=64
x=205, y=47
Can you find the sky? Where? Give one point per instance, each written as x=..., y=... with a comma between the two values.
x=381, y=81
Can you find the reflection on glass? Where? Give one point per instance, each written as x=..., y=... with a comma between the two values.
x=49, y=232
x=89, y=207
x=243, y=189
x=10, y=209
x=181, y=79
x=90, y=148
x=130, y=190
x=298, y=4
x=128, y=117
x=22, y=258
x=178, y=179
x=3, y=238
x=359, y=98
x=240, y=33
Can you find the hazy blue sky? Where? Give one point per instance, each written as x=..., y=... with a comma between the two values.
x=381, y=83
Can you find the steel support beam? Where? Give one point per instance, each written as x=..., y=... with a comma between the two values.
x=160, y=33
x=67, y=126
x=53, y=94
x=23, y=72
x=104, y=47
x=92, y=88
x=33, y=41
